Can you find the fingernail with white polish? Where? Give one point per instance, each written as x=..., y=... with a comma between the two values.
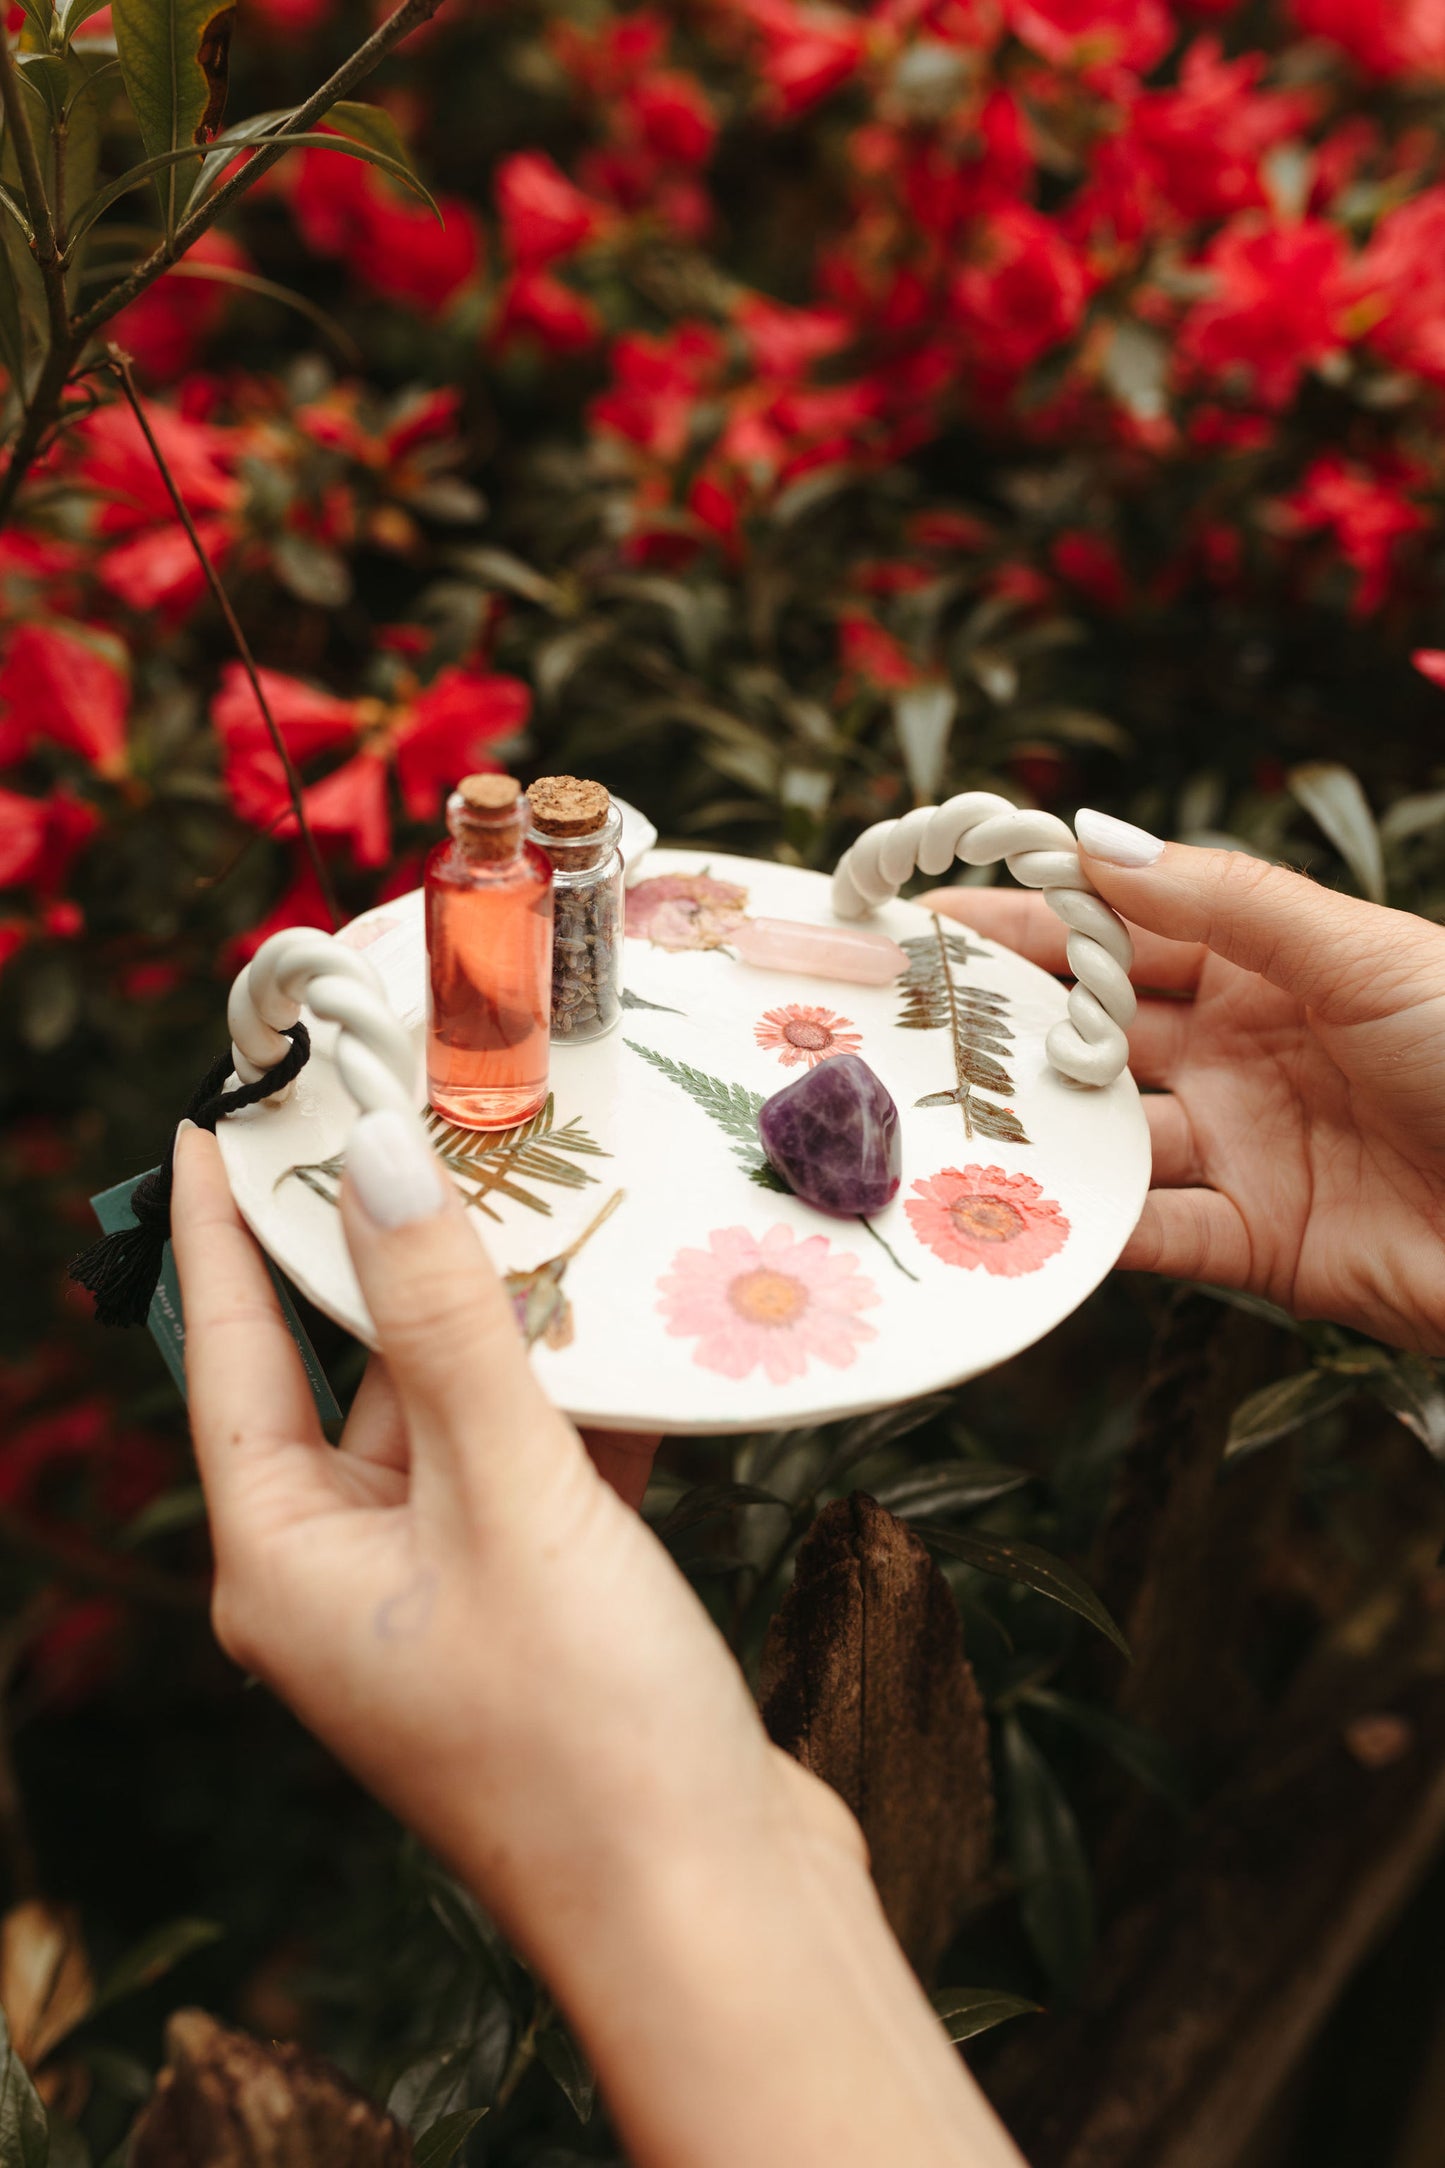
x=1118, y=843
x=392, y=1168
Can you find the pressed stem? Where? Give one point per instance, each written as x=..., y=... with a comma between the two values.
x=121, y=366
x=397, y=26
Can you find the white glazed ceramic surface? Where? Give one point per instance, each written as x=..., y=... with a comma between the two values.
x=705, y=1302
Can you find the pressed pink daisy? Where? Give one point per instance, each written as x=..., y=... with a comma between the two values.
x=803, y=1034
x=775, y=1301
x=982, y=1216
x=685, y=911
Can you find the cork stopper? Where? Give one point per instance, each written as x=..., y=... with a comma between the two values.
x=489, y=793
x=565, y=805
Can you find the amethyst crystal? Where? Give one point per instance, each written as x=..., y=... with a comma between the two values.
x=833, y=1137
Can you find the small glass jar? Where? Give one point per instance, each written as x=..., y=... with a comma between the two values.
x=578, y=826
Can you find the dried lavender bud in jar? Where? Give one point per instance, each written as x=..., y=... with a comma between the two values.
x=577, y=825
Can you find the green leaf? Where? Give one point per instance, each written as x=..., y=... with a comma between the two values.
x=152, y=1958
x=67, y=2148
x=562, y=2059
x=733, y=1107
x=1056, y=1894
x=868, y=1434
x=1412, y=816
x=1333, y=797
x=430, y=2090
x=444, y=2140
x=1031, y=1567
x=1142, y=1753
x=73, y=13
x=372, y=127
x=968, y=2011
x=173, y=55
x=24, y=2138
x=1411, y=1389
x=1287, y=1405
x=312, y=571
x=183, y=1507
x=12, y=327
x=948, y=1486
x=705, y=1501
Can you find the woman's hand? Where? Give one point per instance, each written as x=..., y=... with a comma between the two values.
x=473, y=1621
x=1297, y=1060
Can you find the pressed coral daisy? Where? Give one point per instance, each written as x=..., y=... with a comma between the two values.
x=685, y=910
x=802, y=1034
x=772, y=1300
x=982, y=1216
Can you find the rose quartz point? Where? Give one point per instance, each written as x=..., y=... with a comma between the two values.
x=820, y=952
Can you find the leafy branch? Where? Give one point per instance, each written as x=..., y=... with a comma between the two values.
x=974, y=1020
x=153, y=60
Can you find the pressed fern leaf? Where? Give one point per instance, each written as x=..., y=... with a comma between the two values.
x=976, y=1023
x=733, y=1107
x=490, y=1162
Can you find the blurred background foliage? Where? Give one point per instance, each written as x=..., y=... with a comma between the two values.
x=795, y=413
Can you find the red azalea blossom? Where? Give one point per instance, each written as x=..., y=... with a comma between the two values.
x=390, y=241
x=1383, y=37
x=1398, y=287
x=64, y=684
x=1279, y=305
x=439, y=733
x=1365, y=514
x=544, y=215
x=1025, y=295
x=167, y=328
x=1094, y=33
x=536, y=305
x=39, y=838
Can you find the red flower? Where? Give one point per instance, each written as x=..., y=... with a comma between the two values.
x=1025, y=296
x=39, y=837
x=1278, y=305
x=1092, y=34
x=1398, y=287
x=1202, y=143
x=536, y=305
x=674, y=117
x=430, y=739
x=154, y=568
x=167, y=328
x=870, y=652
x=1366, y=514
x=1382, y=37
x=808, y=52
x=657, y=387
x=59, y=683
x=388, y=240
x=786, y=342
x=543, y=214
x=1091, y=563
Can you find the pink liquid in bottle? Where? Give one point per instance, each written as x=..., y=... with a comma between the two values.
x=489, y=956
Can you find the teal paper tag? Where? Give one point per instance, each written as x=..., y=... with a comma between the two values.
x=168, y=1325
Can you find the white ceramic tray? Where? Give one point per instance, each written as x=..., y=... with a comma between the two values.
x=700, y=1301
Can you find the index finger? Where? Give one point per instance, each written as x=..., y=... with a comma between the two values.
x=244, y=1375
x=1022, y=920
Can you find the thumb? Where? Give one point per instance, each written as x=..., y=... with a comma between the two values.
x=1332, y=953
x=479, y=1423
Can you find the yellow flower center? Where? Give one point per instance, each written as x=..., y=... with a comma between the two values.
x=769, y=1298
x=811, y=1037
x=986, y=1219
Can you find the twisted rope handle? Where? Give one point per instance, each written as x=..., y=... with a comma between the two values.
x=373, y=1051
x=1039, y=850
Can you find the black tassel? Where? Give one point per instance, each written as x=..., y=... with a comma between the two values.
x=122, y=1270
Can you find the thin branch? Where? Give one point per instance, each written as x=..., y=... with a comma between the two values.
x=120, y=363
x=406, y=18
x=45, y=247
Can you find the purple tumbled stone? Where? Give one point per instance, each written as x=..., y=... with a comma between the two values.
x=833, y=1137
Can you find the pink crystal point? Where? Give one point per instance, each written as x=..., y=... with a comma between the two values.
x=820, y=952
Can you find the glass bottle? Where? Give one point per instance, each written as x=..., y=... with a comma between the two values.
x=489, y=956
x=577, y=825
